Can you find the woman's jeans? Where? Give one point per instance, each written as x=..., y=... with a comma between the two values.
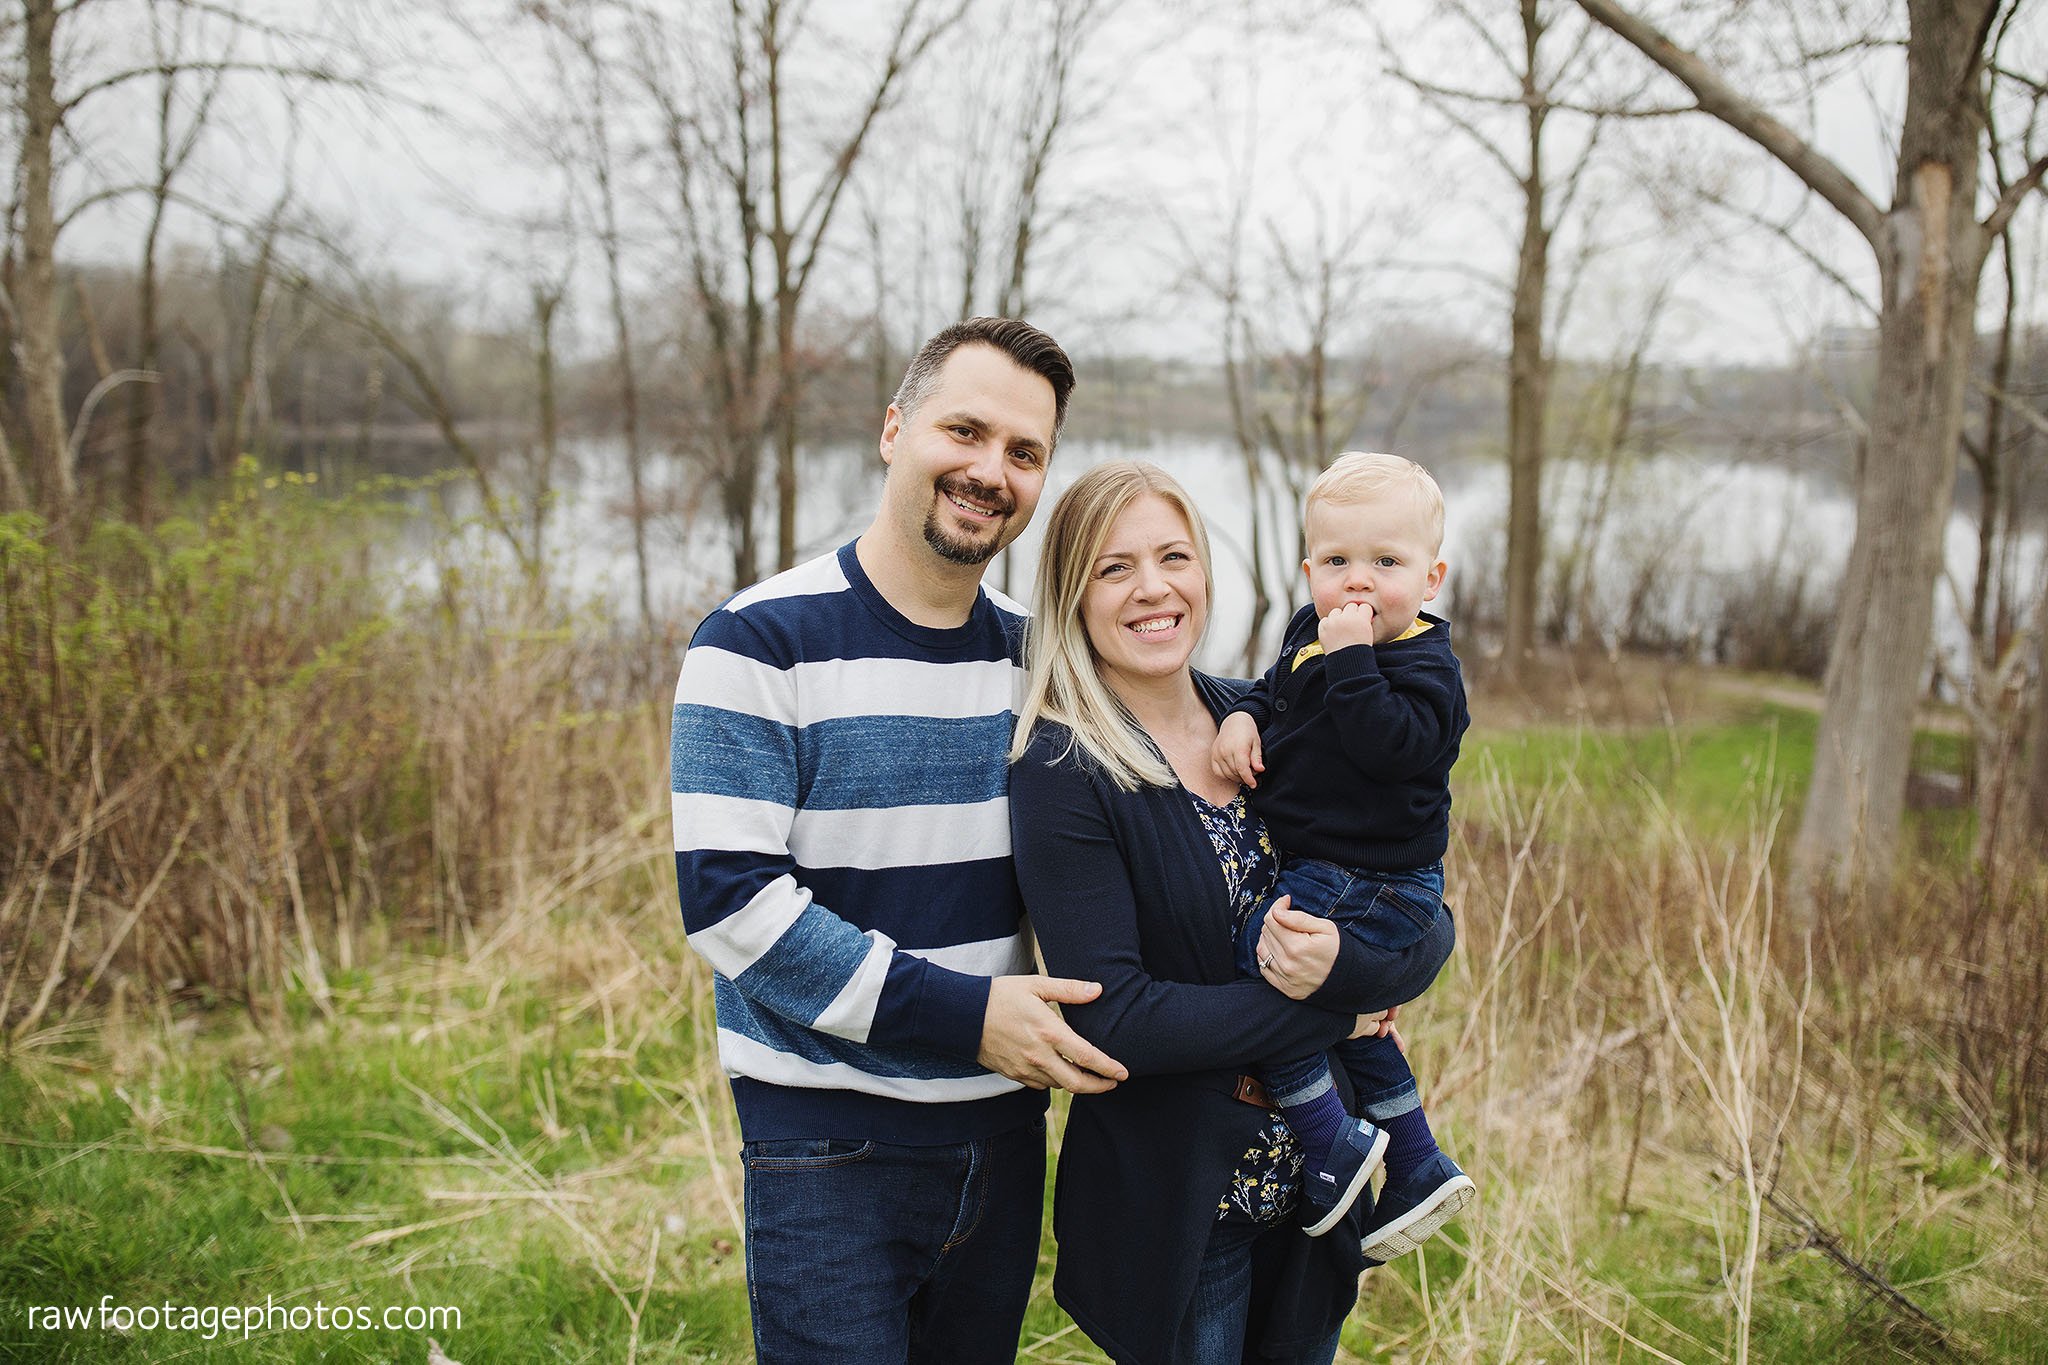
x=867, y=1252
x=1394, y=917
x=1214, y=1331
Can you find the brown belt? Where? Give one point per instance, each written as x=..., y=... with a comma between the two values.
x=1251, y=1092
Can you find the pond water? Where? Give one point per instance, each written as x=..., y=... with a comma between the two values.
x=1682, y=544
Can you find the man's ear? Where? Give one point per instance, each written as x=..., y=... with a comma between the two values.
x=892, y=426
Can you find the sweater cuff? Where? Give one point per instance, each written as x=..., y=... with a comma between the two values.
x=930, y=1006
x=1250, y=706
x=1352, y=661
x=1344, y=989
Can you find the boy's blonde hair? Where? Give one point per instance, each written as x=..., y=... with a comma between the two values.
x=1064, y=684
x=1360, y=475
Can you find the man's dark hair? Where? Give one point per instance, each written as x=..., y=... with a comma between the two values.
x=1030, y=348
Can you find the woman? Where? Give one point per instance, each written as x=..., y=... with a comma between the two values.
x=1174, y=1208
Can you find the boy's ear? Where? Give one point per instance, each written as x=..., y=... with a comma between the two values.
x=1436, y=580
x=1304, y=568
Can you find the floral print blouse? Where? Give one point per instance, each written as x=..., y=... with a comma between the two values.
x=1267, y=1182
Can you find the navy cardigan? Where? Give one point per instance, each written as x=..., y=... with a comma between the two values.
x=1124, y=888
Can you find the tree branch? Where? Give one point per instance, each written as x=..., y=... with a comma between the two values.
x=92, y=402
x=1438, y=99
x=1722, y=100
x=317, y=74
x=2009, y=202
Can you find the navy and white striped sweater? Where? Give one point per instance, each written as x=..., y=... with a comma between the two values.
x=842, y=825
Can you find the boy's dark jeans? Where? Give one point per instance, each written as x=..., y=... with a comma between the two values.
x=1400, y=919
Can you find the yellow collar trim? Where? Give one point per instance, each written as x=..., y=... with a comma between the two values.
x=1315, y=647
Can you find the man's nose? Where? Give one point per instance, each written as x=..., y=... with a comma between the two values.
x=987, y=462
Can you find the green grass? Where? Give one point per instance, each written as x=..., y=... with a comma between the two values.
x=1714, y=778
x=541, y=1140
x=411, y=1152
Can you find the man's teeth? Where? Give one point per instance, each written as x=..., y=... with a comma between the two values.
x=973, y=507
x=1156, y=624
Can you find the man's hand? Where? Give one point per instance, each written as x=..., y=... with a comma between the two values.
x=1236, y=754
x=1024, y=1038
x=1350, y=624
x=1296, y=950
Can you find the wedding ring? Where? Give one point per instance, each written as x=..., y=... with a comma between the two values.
x=1264, y=961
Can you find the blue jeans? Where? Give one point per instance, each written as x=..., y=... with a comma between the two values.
x=868, y=1252
x=1400, y=920
x=1213, y=1332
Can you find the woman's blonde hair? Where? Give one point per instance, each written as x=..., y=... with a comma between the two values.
x=1065, y=682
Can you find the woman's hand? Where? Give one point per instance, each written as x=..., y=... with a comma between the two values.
x=1296, y=950
x=1372, y=1025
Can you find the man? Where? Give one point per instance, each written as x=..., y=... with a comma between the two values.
x=843, y=859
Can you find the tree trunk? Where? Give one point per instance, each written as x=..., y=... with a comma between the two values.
x=1528, y=382
x=546, y=301
x=2037, y=734
x=1930, y=257
x=42, y=355
x=136, y=462
x=1930, y=253
x=629, y=407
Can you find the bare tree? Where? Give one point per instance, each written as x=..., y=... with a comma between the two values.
x=757, y=202
x=48, y=114
x=175, y=144
x=590, y=158
x=1930, y=249
x=1544, y=67
x=41, y=357
x=1049, y=117
x=797, y=222
x=1298, y=368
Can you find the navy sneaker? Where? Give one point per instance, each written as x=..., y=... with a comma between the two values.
x=1330, y=1187
x=1411, y=1210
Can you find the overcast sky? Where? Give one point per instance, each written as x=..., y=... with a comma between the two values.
x=1189, y=107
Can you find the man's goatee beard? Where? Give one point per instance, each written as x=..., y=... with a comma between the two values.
x=970, y=553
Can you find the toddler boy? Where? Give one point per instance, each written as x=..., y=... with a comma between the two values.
x=1356, y=728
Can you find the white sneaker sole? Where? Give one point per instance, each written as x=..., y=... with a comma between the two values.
x=1350, y=1195
x=1420, y=1223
